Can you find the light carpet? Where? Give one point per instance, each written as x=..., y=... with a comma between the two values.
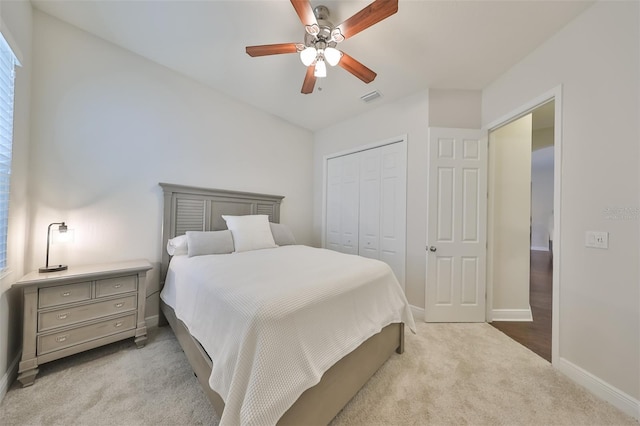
x=450, y=374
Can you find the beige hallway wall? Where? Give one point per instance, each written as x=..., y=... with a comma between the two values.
x=509, y=213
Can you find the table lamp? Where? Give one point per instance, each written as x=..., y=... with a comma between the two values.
x=52, y=268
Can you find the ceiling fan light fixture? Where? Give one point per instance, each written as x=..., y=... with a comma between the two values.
x=321, y=39
x=308, y=55
x=332, y=56
x=320, y=70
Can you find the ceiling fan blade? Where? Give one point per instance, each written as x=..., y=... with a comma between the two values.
x=370, y=15
x=271, y=49
x=309, y=80
x=356, y=68
x=305, y=12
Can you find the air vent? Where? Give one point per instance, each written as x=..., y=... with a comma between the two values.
x=371, y=96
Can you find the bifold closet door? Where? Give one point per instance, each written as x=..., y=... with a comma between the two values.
x=366, y=205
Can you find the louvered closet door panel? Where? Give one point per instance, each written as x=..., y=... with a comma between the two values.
x=369, y=226
x=349, y=204
x=333, y=239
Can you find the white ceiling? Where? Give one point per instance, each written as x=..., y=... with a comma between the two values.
x=427, y=44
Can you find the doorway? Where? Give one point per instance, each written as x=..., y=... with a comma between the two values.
x=523, y=192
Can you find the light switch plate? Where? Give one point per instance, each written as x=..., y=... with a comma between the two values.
x=596, y=239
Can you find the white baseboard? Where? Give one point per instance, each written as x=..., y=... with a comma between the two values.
x=600, y=388
x=152, y=321
x=539, y=248
x=9, y=376
x=511, y=315
x=418, y=313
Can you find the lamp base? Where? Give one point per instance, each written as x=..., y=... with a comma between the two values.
x=52, y=268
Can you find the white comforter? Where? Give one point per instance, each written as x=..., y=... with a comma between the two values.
x=274, y=320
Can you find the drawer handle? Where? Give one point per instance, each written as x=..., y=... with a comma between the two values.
x=118, y=324
x=119, y=305
x=66, y=293
x=63, y=316
x=60, y=339
x=117, y=285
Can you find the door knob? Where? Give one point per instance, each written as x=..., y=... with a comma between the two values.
x=432, y=248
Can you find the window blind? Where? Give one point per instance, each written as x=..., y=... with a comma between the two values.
x=7, y=77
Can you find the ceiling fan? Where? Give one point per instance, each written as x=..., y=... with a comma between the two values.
x=321, y=38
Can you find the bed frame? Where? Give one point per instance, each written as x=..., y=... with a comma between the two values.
x=199, y=209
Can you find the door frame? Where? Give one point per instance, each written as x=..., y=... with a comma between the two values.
x=554, y=94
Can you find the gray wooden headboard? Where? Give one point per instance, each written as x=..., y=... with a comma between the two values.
x=189, y=208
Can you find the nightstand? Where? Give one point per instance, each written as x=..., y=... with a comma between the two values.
x=81, y=308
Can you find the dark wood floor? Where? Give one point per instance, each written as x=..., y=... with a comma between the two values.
x=535, y=335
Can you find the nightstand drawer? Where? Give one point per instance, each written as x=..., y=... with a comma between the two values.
x=119, y=285
x=75, y=336
x=69, y=316
x=59, y=295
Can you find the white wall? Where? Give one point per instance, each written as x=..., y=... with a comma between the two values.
x=596, y=59
x=15, y=24
x=455, y=108
x=509, y=214
x=407, y=116
x=108, y=125
x=541, y=196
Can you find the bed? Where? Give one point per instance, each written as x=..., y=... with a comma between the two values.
x=200, y=209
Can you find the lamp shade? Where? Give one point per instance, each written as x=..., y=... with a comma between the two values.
x=332, y=56
x=320, y=70
x=308, y=55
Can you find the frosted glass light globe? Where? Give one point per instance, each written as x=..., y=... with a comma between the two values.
x=308, y=55
x=320, y=70
x=332, y=56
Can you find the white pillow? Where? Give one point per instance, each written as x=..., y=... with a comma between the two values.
x=209, y=242
x=177, y=246
x=250, y=232
x=282, y=235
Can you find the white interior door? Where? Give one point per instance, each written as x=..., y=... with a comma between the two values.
x=456, y=226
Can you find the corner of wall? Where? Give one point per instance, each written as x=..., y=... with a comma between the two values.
x=600, y=388
x=9, y=376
